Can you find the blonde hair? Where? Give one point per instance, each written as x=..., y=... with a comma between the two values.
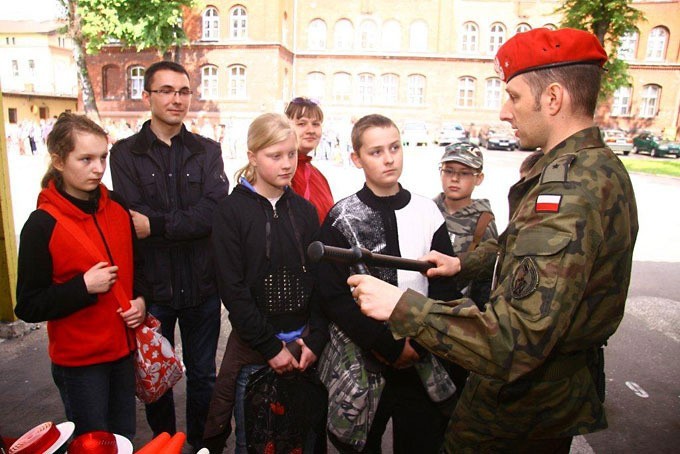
x=266, y=130
x=61, y=141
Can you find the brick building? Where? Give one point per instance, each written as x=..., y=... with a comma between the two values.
x=429, y=60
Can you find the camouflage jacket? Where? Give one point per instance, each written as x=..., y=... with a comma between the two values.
x=461, y=227
x=562, y=276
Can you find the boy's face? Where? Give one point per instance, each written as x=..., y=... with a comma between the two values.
x=459, y=180
x=381, y=157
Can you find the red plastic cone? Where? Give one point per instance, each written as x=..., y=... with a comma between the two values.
x=155, y=446
x=176, y=443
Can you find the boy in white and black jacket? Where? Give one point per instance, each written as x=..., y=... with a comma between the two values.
x=386, y=219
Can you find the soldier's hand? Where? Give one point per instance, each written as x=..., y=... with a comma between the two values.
x=445, y=265
x=376, y=298
x=100, y=278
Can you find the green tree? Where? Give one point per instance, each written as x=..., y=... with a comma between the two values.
x=609, y=20
x=142, y=24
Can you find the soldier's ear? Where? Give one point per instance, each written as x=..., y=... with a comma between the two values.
x=553, y=98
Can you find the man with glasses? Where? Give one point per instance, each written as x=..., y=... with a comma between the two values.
x=468, y=221
x=172, y=180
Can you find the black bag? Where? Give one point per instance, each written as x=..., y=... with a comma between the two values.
x=281, y=410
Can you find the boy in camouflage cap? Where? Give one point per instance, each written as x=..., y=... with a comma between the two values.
x=561, y=273
x=461, y=170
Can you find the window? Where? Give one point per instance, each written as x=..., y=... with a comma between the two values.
x=343, y=35
x=31, y=68
x=12, y=115
x=316, y=38
x=111, y=82
x=239, y=22
x=366, y=88
x=342, y=88
x=470, y=38
x=415, y=93
x=650, y=101
x=389, y=88
x=209, y=82
x=136, y=82
x=418, y=37
x=61, y=41
x=368, y=33
x=237, y=82
x=316, y=85
x=391, y=36
x=628, y=46
x=211, y=24
x=621, y=104
x=15, y=68
x=466, y=92
x=10, y=40
x=523, y=27
x=497, y=37
x=492, y=94
x=656, y=45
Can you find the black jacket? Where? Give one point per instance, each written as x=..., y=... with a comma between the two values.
x=246, y=253
x=177, y=256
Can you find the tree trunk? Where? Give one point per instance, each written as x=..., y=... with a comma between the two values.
x=89, y=102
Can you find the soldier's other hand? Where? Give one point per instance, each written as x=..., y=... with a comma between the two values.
x=376, y=298
x=141, y=223
x=445, y=265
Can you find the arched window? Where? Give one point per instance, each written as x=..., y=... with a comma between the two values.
x=237, y=82
x=316, y=35
x=628, y=46
x=209, y=82
x=470, y=38
x=523, y=27
x=343, y=35
x=418, y=36
x=368, y=34
x=211, y=24
x=391, y=36
x=238, y=22
x=111, y=82
x=415, y=90
x=492, y=94
x=342, y=88
x=316, y=85
x=621, y=103
x=136, y=82
x=656, y=45
x=389, y=88
x=466, y=92
x=649, y=103
x=366, y=88
x=496, y=37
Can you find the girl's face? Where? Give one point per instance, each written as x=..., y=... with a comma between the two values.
x=274, y=167
x=83, y=168
x=308, y=131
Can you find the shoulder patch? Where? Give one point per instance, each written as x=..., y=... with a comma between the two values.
x=525, y=279
x=557, y=170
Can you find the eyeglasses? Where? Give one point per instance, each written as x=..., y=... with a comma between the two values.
x=167, y=92
x=460, y=174
x=305, y=101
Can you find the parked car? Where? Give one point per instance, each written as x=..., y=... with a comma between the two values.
x=415, y=133
x=655, y=145
x=498, y=139
x=617, y=140
x=451, y=133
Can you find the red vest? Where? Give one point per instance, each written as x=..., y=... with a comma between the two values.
x=96, y=333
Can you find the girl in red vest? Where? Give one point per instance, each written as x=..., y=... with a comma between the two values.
x=74, y=248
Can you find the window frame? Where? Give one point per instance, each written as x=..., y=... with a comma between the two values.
x=135, y=81
x=210, y=24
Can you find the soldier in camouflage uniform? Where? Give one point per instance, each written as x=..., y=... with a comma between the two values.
x=462, y=170
x=561, y=274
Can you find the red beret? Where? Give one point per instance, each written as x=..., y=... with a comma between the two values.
x=544, y=48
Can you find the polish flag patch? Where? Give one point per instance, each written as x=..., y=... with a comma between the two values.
x=548, y=203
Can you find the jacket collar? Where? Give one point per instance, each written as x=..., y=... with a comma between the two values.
x=145, y=138
x=392, y=202
x=70, y=206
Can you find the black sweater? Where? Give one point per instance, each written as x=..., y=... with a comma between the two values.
x=241, y=244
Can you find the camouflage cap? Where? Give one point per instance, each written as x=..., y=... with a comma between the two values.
x=469, y=156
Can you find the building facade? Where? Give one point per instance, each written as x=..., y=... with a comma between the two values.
x=37, y=71
x=426, y=60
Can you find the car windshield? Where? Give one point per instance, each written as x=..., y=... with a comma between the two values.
x=615, y=134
